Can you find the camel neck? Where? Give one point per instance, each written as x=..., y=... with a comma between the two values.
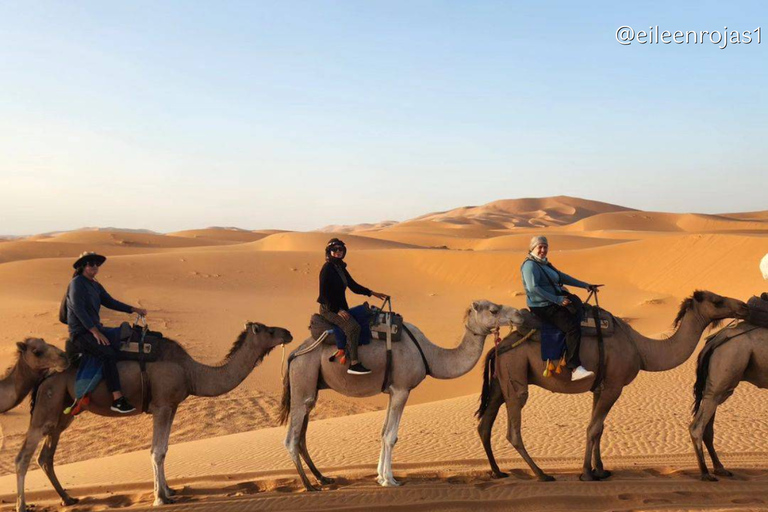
x=16, y=385
x=216, y=380
x=665, y=354
x=452, y=363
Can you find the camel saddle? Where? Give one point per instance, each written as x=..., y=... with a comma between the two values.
x=378, y=325
x=588, y=323
x=138, y=343
x=758, y=310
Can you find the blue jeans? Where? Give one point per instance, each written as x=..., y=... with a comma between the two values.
x=107, y=354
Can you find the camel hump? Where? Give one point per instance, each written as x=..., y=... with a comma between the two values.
x=758, y=310
x=318, y=325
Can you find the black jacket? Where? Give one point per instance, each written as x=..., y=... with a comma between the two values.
x=333, y=289
x=84, y=299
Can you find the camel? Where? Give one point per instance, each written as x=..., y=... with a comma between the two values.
x=34, y=359
x=172, y=378
x=306, y=373
x=735, y=354
x=626, y=353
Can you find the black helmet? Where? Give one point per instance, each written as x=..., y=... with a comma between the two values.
x=334, y=243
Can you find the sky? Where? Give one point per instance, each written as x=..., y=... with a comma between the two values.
x=299, y=114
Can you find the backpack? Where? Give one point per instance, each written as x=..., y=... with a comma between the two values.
x=63, y=308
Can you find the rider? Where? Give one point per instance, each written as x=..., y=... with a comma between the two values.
x=334, y=280
x=85, y=297
x=548, y=300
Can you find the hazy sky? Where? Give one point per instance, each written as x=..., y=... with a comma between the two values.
x=294, y=115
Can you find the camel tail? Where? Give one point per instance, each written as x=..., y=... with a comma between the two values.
x=285, y=402
x=702, y=368
x=485, y=394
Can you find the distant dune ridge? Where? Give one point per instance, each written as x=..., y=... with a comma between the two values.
x=201, y=285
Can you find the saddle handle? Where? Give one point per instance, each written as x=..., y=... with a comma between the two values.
x=140, y=320
x=387, y=302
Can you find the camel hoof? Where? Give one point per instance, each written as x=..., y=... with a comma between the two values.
x=587, y=477
x=499, y=474
x=389, y=482
x=723, y=472
x=69, y=501
x=312, y=488
x=171, y=492
x=603, y=474
x=708, y=478
x=546, y=478
x=327, y=480
x=163, y=500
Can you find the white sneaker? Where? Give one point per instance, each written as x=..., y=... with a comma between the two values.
x=581, y=373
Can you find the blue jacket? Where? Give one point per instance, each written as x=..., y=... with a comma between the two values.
x=539, y=292
x=84, y=300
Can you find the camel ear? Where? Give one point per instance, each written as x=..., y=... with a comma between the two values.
x=698, y=295
x=256, y=328
x=475, y=306
x=21, y=346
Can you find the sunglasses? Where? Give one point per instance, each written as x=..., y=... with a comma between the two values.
x=338, y=249
x=93, y=264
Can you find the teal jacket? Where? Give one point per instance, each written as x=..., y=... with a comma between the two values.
x=539, y=292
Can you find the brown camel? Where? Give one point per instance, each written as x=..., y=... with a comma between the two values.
x=626, y=353
x=309, y=370
x=173, y=378
x=34, y=359
x=735, y=354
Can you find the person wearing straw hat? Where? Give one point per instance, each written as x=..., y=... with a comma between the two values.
x=334, y=281
x=85, y=296
x=548, y=300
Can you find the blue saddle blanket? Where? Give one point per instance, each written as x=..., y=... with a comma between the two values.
x=552, y=342
x=363, y=317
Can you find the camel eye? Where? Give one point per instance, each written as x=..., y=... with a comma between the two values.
x=719, y=302
x=37, y=352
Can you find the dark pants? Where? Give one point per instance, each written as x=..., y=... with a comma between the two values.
x=350, y=327
x=107, y=354
x=570, y=324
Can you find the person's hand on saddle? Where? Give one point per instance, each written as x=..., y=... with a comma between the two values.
x=344, y=314
x=594, y=287
x=139, y=311
x=565, y=301
x=378, y=295
x=99, y=336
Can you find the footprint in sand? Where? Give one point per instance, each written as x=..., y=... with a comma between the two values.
x=746, y=501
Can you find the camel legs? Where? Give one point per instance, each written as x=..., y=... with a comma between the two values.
x=515, y=406
x=397, y=400
x=305, y=454
x=47, y=453
x=485, y=427
x=700, y=424
x=599, y=471
x=709, y=442
x=28, y=448
x=162, y=419
x=601, y=407
x=300, y=407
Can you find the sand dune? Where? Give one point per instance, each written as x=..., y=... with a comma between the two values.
x=532, y=212
x=201, y=285
x=315, y=242
x=222, y=234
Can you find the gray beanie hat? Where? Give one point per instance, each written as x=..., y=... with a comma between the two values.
x=536, y=241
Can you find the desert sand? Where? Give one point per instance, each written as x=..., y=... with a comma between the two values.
x=201, y=285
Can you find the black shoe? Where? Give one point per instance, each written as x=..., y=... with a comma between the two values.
x=122, y=406
x=358, y=369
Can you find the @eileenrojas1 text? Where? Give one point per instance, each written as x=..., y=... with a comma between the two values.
x=626, y=35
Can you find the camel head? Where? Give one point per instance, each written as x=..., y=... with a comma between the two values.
x=268, y=337
x=712, y=307
x=484, y=316
x=41, y=356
